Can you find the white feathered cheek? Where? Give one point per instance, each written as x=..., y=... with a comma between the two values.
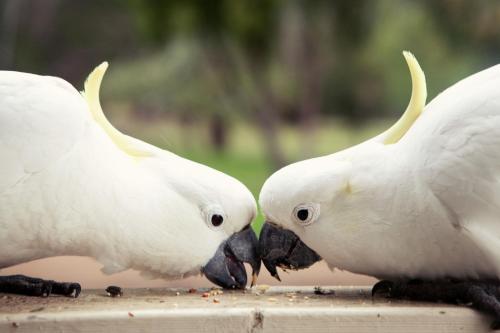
x=214, y=216
x=306, y=214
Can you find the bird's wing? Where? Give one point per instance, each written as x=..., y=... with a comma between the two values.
x=454, y=147
x=41, y=119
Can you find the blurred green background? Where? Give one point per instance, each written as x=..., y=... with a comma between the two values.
x=247, y=86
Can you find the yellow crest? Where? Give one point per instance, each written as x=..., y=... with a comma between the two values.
x=415, y=106
x=91, y=95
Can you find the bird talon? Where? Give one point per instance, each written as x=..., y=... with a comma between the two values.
x=382, y=287
x=46, y=289
x=76, y=288
x=495, y=325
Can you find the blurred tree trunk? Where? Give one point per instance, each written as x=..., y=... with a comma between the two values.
x=268, y=120
x=300, y=36
x=8, y=33
x=308, y=64
x=310, y=96
x=255, y=93
x=218, y=132
x=216, y=66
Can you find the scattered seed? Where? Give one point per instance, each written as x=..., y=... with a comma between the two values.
x=216, y=300
x=130, y=314
x=262, y=287
x=15, y=324
x=192, y=290
x=205, y=295
x=215, y=292
x=114, y=291
x=37, y=309
x=177, y=293
x=320, y=291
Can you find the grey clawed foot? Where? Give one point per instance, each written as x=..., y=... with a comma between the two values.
x=25, y=285
x=482, y=295
x=495, y=325
x=382, y=288
x=66, y=289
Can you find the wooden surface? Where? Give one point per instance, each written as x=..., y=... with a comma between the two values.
x=274, y=309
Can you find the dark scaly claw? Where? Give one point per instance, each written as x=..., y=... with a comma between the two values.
x=495, y=325
x=114, y=291
x=46, y=288
x=78, y=289
x=482, y=295
x=66, y=289
x=25, y=285
x=382, y=287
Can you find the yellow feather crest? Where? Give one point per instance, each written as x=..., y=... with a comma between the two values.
x=91, y=95
x=415, y=106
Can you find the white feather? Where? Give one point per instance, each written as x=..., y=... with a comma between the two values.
x=66, y=188
x=426, y=206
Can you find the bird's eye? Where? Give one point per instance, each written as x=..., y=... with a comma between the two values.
x=214, y=216
x=217, y=220
x=303, y=214
x=306, y=214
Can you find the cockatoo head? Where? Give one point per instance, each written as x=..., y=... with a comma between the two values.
x=199, y=222
x=318, y=201
x=296, y=210
x=181, y=217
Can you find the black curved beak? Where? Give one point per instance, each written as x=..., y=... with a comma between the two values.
x=282, y=248
x=226, y=267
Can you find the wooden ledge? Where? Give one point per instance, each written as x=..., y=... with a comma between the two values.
x=274, y=309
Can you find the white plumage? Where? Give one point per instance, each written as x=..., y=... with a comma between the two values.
x=71, y=184
x=421, y=200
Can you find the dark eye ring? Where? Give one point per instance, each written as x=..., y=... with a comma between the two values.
x=216, y=220
x=303, y=214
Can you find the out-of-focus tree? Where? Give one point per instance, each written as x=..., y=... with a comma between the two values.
x=236, y=38
x=11, y=13
x=269, y=62
x=67, y=38
x=469, y=24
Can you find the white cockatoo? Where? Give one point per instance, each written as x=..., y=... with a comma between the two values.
x=71, y=184
x=419, y=201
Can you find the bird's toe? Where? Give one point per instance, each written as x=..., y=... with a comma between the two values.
x=382, y=288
